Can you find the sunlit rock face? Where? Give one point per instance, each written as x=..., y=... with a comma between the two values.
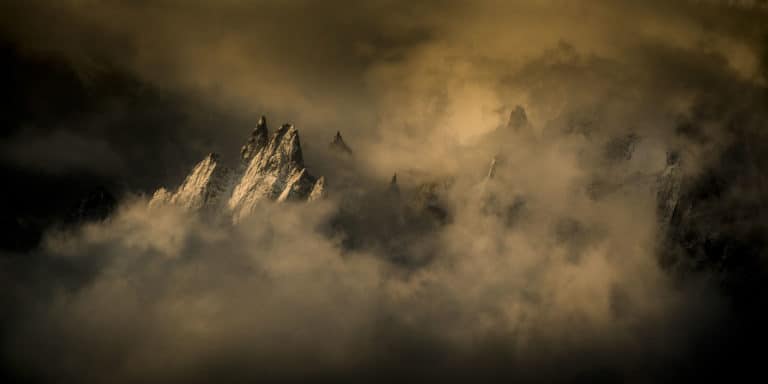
x=272, y=169
x=205, y=186
x=275, y=172
x=318, y=190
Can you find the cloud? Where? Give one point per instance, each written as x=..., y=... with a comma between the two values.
x=406, y=83
x=62, y=152
x=172, y=296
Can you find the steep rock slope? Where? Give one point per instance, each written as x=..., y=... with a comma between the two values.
x=205, y=186
x=256, y=141
x=668, y=187
x=275, y=172
x=272, y=169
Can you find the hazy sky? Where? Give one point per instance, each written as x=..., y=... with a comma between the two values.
x=392, y=75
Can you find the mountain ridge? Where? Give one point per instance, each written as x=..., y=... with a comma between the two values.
x=272, y=169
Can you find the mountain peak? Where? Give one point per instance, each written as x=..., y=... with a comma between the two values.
x=393, y=187
x=276, y=172
x=338, y=145
x=285, y=142
x=256, y=141
x=517, y=118
x=272, y=169
x=204, y=186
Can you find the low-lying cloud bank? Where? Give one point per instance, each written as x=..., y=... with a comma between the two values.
x=566, y=288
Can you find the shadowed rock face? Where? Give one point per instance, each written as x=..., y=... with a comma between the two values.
x=669, y=184
x=715, y=221
x=339, y=146
x=256, y=141
x=272, y=169
x=97, y=205
x=517, y=119
x=393, y=188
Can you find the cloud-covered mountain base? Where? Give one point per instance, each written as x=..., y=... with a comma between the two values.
x=163, y=295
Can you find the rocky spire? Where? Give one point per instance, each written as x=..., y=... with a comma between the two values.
x=276, y=172
x=492, y=168
x=256, y=141
x=272, y=169
x=669, y=188
x=206, y=185
x=517, y=118
x=318, y=190
x=338, y=145
x=97, y=205
x=393, y=187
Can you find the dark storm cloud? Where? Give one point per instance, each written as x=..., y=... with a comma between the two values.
x=109, y=123
x=62, y=151
x=547, y=272
x=259, y=55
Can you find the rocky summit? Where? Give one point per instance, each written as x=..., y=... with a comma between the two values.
x=204, y=187
x=272, y=169
x=339, y=146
